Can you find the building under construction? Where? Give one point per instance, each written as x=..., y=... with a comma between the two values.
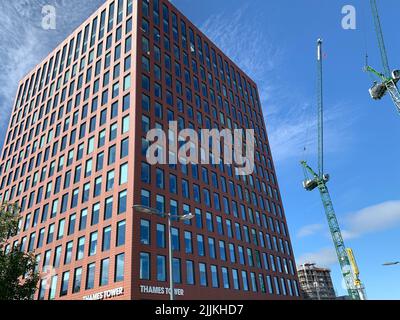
x=316, y=282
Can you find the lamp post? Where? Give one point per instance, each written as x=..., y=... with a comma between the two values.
x=148, y=210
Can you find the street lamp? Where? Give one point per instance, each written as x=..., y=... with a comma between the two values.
x=387, y=264
x=186, y=217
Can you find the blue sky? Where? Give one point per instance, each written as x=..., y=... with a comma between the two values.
x=275, y=43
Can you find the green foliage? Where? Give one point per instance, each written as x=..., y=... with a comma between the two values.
x=18, y=278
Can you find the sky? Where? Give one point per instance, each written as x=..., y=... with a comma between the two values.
x=274, y=42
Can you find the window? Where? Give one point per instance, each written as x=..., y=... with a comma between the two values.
x=199, y=222
x=160, y=236
x=111, y=155
x=119, y=267
x=97, y=187
x=145, y=173
x=173, y=184
x=127, y=82
x=203, y=274
x=190, y=272
x=81, y=248
x=99, y=161
x=121, y=233
x=108, y=208
x=83, y=220
x=144, y=266
x=200, y=245
x=77, y=280
x=68, y=252
x=185, y=188
x=145, y=82
x=126, y=102
x=145, y=232
x=160, y=178
x=64, y=284
x=104, y=271
x=90, y=276
x=222, y=253
x=123, y=174
x=124, y=148
x=175, y=239
x=106, y=239
x=232, y=253
x=93, y=244
x=57, y=257
x=176, y=273
x=122, y=197
x=145, y=198
x=50, y=234
x=161, y=268
x=61, y=227
x=110, y=180
x=214, y=277
x=235, y=277
x=53, y=287
x=160, y=203
x=125, y=124
x=245, y=282
x=188, y=242
x=71, y=225
x=209, y=222
x=225, y=277
x=220, y=228
x=253, y=281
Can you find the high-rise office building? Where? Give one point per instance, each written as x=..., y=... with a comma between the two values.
x=75, y=160
x=316, y=282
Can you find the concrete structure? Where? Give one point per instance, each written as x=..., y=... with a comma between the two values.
x=74, y=158
x=316, y=283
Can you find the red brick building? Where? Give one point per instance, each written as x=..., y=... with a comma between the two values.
x=74, y=159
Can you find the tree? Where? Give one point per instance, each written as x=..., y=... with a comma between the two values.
x=18, y=276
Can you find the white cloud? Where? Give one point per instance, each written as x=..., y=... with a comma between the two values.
x=324, y=258
x=245, y=41
x=377, y=218
x=310, y=230
x=373, y=219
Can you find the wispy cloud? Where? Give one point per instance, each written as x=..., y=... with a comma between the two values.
x=325, y=257
x=310, y=230
x=24, y=43
x=245, y=41
x=290, y=117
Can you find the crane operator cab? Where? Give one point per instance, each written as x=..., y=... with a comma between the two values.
x=396, y=76
x=377, y=91
x=311, y=184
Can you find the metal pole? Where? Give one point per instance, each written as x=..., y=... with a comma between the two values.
x=171, y=278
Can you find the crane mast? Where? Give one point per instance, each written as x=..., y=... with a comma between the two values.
x=319, y=180
x=388, y=80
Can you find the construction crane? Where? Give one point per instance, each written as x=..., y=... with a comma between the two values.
x=319, y=180
x=388, y=80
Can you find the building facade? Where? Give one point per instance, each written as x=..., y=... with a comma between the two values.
x=75, y=160
x=315, y=282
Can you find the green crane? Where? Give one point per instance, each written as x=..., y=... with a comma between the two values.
x=388, y=80
x=319, y=180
